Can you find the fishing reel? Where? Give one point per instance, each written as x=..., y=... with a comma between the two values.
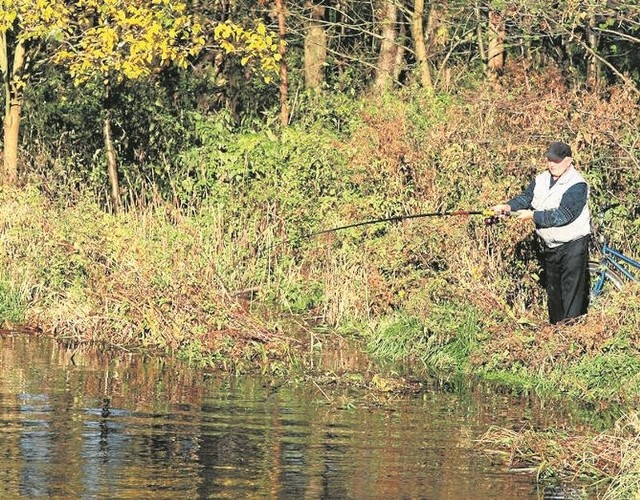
x=491, y=220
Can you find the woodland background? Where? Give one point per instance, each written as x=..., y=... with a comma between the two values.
x=113, y=96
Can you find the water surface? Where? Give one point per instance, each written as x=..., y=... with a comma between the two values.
x=84, y=424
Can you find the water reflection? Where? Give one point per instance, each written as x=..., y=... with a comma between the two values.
x=89, y=425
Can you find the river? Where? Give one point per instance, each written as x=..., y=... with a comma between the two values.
x=89, y=424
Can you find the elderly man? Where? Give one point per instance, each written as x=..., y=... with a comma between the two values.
x=556, y=200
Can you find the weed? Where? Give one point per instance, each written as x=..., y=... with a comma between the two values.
x=611, y=375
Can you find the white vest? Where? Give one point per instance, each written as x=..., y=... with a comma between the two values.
x=545, y=198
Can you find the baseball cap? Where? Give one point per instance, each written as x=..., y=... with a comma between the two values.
x=558, y=151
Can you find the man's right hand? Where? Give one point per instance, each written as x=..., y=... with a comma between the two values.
x=502, y=209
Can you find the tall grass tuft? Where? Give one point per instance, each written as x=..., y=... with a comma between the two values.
x=12, y=303
x=398, y=337
x=610, y=458
x=442, y=343
x=626, y=483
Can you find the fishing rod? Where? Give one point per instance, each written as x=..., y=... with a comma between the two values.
x=490, y=218
x=397, y=218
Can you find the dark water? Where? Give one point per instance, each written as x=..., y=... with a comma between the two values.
x=89, y=425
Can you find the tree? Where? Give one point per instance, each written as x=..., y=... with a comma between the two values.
x=388, y=14
x=419, y=43
x=26, y=27
x=116, y=40
x=315, y=46
x=284, y=71
x=496, y=32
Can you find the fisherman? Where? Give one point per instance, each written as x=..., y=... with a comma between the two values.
x=557, y=201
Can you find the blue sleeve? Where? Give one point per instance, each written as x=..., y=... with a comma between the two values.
x=571, y=205
x=524, y=199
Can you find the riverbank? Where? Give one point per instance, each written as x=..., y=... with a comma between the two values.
x=156, y=280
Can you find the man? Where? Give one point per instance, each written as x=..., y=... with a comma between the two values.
x=556, y=200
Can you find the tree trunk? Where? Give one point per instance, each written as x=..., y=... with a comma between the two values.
x=112, y=166
x=401, y=40
x=284, y=78
x=420, y=46
x=11, y=138
x=436, y=42
x=497, y=33
x=13, y=108
x=315, y=48
x=593, y=63
x=480, y=36
x=388, y=13
x=4, y=74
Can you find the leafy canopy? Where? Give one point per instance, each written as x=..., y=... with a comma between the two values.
x=250, y=45
x=131, y=39
x=31, y=19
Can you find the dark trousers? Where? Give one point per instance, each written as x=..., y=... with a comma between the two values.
x=567, y=273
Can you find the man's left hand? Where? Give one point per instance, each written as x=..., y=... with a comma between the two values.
x=525, y=214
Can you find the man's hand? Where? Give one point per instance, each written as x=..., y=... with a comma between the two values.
x=502, y=209
x=525, y=214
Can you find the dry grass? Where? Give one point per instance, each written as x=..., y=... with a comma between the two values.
x=131, y=280
x=612, y=457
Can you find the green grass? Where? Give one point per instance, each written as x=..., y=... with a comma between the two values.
x=12, y=303
x=442, y=342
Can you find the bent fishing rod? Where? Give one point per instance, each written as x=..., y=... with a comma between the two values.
x=490, y=218
x=398, y=218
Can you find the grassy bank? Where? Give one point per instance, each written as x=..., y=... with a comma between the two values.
x=148, y=279
x=451, y=294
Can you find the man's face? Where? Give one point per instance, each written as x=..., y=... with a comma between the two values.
x=557, y=168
